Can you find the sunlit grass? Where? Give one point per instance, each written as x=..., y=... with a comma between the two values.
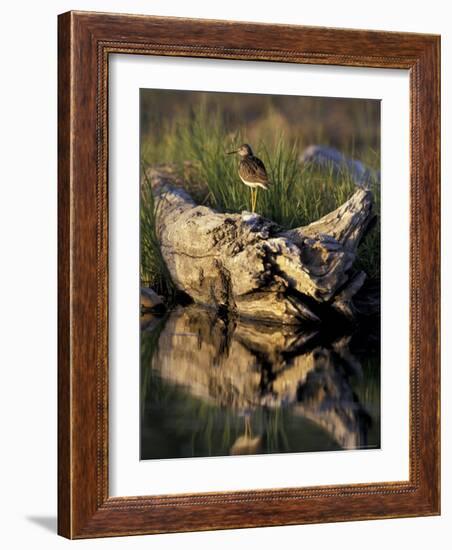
x=153, y=270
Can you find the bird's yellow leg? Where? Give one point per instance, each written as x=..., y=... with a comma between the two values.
x=247, y=426
x=251, y=194
x=255, y=197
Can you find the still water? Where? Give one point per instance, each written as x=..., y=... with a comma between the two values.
x=213, y=387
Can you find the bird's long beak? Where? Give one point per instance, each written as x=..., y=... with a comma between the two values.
x=231, y=152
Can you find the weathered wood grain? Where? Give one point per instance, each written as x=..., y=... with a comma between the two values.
x=248, y=266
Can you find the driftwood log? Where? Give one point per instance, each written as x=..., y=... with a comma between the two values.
x=249, y=266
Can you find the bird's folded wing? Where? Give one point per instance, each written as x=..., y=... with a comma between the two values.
x=252, y=169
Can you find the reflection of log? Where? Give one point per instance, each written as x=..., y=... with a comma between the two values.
x=197, y=351
x=326, y=398
x=246, y=366
x=246, y=264
x=235, y=365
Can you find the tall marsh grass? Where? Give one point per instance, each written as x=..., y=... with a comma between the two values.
x=153, y=270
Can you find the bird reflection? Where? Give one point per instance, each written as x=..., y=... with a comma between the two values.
x=247, y=444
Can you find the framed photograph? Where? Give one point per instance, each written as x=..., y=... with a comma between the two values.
x=248, y=275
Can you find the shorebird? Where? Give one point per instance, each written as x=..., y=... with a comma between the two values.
x=251, y=171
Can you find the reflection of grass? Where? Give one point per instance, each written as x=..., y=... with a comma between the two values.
x=368, y=390
x=299, y=194
x=148, y=345
x=276, y=434
x=368, y=387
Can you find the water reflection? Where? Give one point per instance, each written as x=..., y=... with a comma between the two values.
x=214, y=387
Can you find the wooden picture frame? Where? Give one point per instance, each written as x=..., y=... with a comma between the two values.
x=85, y=42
